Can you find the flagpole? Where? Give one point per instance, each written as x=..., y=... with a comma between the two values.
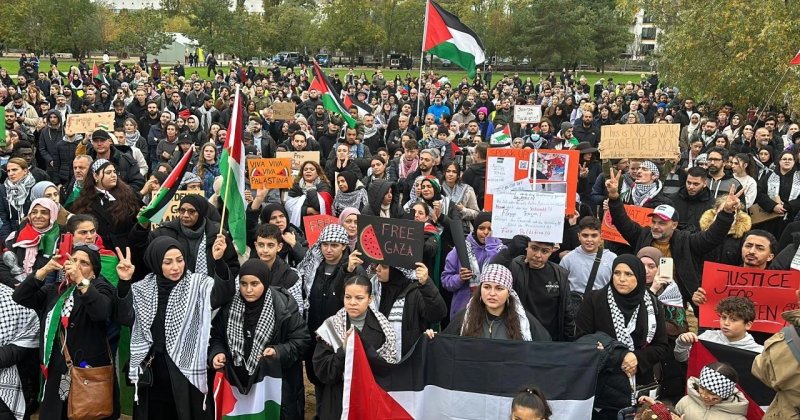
x=422, y=60
x=773, y=93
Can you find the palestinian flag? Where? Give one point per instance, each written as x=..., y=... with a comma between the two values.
x=446, y=37
x=96, y=77
x=260, y=399
x=758, y=395
x=330, y=97
x=232, y=167
x=502, y=137
x=363, y=109
x=154, y=212
x=464, y=378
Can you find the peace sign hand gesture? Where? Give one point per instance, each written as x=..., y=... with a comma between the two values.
x=732, y=201
x=612, y=184
x=125, y=268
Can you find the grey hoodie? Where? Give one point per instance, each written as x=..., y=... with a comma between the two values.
x=716, y=336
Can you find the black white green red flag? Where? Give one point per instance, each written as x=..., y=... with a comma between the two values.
x=446, y=37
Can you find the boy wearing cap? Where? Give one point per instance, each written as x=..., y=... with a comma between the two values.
x=682, y=246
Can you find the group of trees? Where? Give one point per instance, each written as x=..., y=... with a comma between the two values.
x=545, y=31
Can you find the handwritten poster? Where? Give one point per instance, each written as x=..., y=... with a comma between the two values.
x=313, y=226
x=499, y=171
x=772, y=292
x=88, y=122
x=394, y=242
x=639, y=141
x=298, y=158
x=283, y=110
x=527, y=114
x=270, y=173
x=538, y=215
x=638, y=214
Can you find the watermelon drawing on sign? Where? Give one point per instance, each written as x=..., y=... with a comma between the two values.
x=256, y=173
x=370, y=244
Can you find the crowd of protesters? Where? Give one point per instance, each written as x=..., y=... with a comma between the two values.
x=418, y=152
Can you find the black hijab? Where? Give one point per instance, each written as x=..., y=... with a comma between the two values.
x=199, y=202
x=391, y=290
x=628, y=303
x=154, y=256
x=267, y=211
x=94, y=257
x=351, y=179
x=252, y=310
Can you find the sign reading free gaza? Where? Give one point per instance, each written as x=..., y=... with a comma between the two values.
x=394, y=242
x=655, y=141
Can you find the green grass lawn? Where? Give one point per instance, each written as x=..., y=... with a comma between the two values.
x=453, y=73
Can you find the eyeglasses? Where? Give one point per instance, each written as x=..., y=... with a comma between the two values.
x=93, y=247
x=190, y=212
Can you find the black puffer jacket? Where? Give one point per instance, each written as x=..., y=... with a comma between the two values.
x=49, y=138
x=690, y=208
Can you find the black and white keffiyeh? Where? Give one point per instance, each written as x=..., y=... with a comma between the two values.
x=264, y=331
x=774, y=185
x=308, y=267
x=19, y=326
x=17, y=193
x=187, y=326
x=395, y=317
x=334, y=330
x=717, y=383
x=624, y=331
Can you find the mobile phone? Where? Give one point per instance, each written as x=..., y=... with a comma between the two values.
x=65, y=247
x=666, y=268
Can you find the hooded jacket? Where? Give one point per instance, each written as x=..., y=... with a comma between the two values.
x=62, y=159
x=49, y=138
x=691, y=207
x=451, y=279
x=375, y=193
x=692, y=406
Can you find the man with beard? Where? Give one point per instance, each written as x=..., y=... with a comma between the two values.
x=709, y=133
x=394, y=140
x=648, y=190
x=719, y=180
x=318, y=121
x=373, y=137
x=310, y=105
x=692, y=199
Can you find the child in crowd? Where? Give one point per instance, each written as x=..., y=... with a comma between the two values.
x=713, y=396
x=530, y=404
x=736, y=316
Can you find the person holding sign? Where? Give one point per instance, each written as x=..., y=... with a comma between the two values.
x=663, y=234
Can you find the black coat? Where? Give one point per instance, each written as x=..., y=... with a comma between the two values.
x=684, y=246
x=538, y=332
x=329, y=367
x=594, y=315
x=127, y=168
x=475, y=177
x=62, y=161
x=139, y=238
x=85, y=334
x=290, y=339
x=691, y=208
x=424, y=306
x=375, y=193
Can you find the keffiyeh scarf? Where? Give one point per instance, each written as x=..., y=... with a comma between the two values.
x=456, y=193
x=717, y=383
x=308, y=267
x=624, y=331
x=263, y=334
x=407, y=167
x=187, y=326
x=524, y=324
x=336, y=327
x=642, y=193
x=395, y=317
x=19, y=326
x=356, y=199
x=17, y=193
x=774, y=185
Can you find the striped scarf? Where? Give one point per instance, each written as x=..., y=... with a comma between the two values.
x=264, y=331
x=19, y=326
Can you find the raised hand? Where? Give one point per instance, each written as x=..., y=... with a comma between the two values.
x=612, y=184
x=125, y=268
x=219, y=247
x=422, y=273
x=732, y=201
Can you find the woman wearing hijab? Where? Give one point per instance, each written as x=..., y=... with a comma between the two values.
x=351, y=193
x=262, y=326
x=688, y=132
x=46, y=189
x=495, y=311
x=409, y=300
x=109, y=199
x=779, y=192
x=15, y=195
x=74, y=314
x=32, y=245
x=295, y=244
x=169, y=312
x=481, y=248
x=349, y=220
x=376, y=333
x=194, y=231
x=628, y=312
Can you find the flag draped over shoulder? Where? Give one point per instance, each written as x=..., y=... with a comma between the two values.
x=758, y=394
x=260, y=399
x=154, y=212
x=330, y=97
x=232, y=167
x=446, y=37
x=469, y=378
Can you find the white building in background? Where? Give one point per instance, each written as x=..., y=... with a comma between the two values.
x=252, y=6
x=645, y=40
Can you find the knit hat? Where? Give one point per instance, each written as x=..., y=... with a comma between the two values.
x=484, y=110
x=334, y=233
x=185, y=139
x=190, y=178
x=650, y=166
x=650, y=252
x=496, y=273
x=566, y=125
x=484, y=216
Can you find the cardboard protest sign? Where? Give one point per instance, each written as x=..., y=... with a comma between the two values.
x=270, y=173
x=283, y=110
x=538, y=215
x=298, y=158
x=527, y=114
x=639, y=141
x=313, y=226
x=394, y=242
x=638, y=214
x=171, y=213
x=772, y=292
x=511, y=170
x=86, y=123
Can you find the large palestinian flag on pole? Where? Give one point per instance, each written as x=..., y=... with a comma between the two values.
x=758, y=395
x=232, y=168
x=258, y=400
x=446, y=37
x=463, y=378
x=330, y=96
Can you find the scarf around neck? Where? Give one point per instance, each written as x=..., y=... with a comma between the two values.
x=456, y=193
x=334, y=330
x=642, y=193
x=265, y=329
x=407, y=167
x=625, y=330
x=17, y=193
x=132, y=138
